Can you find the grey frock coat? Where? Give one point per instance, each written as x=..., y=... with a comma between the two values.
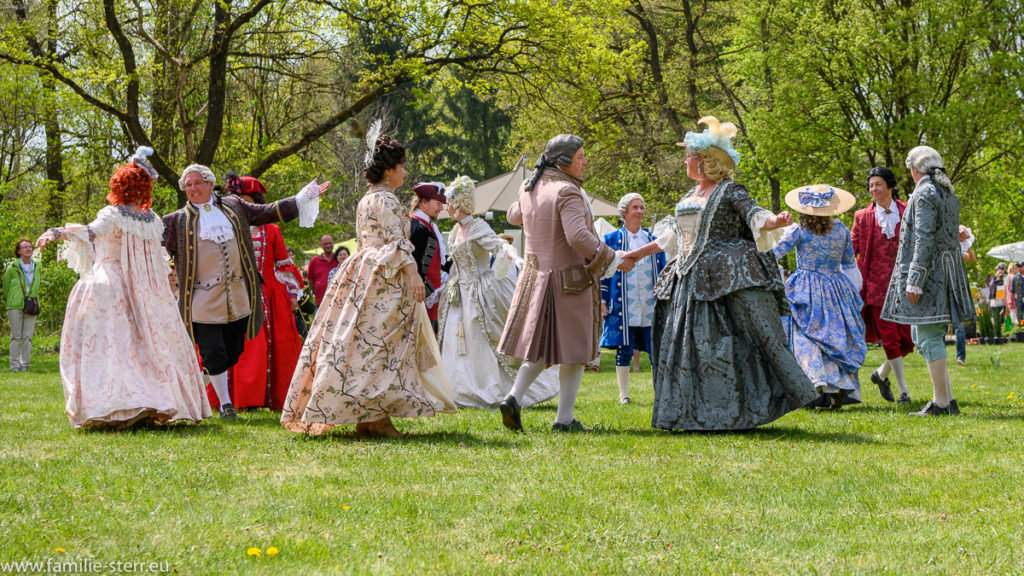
x=929, y=257
x=555, y=315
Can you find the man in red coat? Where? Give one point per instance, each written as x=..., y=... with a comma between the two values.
x=876, y=238
x=429, y=249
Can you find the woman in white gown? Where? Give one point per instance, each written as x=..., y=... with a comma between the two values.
x=125, y=356
x=474, y=306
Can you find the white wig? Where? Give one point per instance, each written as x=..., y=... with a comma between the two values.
x=927, y=161
x=626, y=200
x=203, y=171
x=461, y=194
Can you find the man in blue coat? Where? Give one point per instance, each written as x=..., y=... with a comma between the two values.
x=628, y=297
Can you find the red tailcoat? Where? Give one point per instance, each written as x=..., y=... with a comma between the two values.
x=876, y=256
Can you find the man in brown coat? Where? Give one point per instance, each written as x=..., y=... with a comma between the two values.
x=555, y=315
x=219, y=283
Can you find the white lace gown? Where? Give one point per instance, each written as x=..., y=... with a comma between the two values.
x=474, y=307
x=124, y=353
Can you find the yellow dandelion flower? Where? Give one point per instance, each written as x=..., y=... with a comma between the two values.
x=1011, y=396
x=59, y=550
x=254, y=551
x=272, y=551
x=345, y=507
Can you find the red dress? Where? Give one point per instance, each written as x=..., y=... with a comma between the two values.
x=262, y=375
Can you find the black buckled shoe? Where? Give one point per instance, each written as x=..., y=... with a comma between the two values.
x=511, y=414
x=574, y=426
x=932, y=409
x=904, y=398
x=884, y=388
x=227, y=412
x=954, y=408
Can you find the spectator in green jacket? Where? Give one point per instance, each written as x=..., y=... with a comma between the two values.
x=21, y=280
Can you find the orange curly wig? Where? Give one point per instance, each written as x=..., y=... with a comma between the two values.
x=131, y=185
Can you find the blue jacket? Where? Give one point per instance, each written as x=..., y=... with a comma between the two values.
x=615, y=333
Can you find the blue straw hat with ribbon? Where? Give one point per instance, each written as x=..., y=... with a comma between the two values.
x=820, y=200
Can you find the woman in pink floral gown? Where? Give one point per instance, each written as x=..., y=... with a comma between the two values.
x=359, y=363
x=124, y=354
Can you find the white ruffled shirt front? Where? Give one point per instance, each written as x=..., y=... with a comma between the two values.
x=887, y=219
x=213, y=224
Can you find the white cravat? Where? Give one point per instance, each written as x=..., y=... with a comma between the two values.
x=442, y=252
x=888, y=218
x=213, y=224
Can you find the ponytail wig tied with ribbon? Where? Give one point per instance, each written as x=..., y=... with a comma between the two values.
x=717, y=136
x=558, y=152
x=926, y=160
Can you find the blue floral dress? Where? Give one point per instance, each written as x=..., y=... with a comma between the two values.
x=825, y=330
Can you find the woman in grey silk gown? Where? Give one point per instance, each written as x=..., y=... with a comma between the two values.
x=721, y=356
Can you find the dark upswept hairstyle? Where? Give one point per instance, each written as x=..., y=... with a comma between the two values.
x=885, y=174
x=817, y=225
x=387, y=153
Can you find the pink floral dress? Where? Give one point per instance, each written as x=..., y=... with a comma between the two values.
x=124, y=353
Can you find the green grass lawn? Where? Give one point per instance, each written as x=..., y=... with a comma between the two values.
x=865, y=490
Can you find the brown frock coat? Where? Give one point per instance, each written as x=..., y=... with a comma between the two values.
x=555, y=315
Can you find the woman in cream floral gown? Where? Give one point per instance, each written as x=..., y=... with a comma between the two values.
x=474, y=308
x=359, y=361
x=125, y=356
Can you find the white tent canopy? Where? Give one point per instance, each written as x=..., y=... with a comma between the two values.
x=498, y=193
x=1010, y=252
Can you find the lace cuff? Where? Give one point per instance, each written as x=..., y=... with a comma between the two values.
x=765, y=239
x=614, y=266
x=78, y=250
x=667, y=242
x=308, y=200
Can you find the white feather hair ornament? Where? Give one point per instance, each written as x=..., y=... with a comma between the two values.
x=372, y=133
x=727, y=129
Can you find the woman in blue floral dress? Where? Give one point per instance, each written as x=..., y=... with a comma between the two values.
x=825, y=330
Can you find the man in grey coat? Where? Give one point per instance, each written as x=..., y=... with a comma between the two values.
x=929, y=288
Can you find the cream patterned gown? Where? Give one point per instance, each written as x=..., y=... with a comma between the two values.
x=359, y=362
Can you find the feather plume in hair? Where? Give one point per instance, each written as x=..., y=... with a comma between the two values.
x=727, y=129
x=372, y=133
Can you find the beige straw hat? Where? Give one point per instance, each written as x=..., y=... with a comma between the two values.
x=820, y=200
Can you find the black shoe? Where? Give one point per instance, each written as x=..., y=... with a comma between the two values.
x=954, y=408
x=227, y=412
x=625, y=400
x=574, y=426
x=835, y=401
x=822, y=401
x=932, y=409
x=904, y=398
x=883, y=387
x=511, y=414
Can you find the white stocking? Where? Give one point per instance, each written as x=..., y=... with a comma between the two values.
x=897, y=369
x=570, y=376
x=527, y=373
x=938, y=373
x=622, y=374
x=220, y=386
x=884, y=369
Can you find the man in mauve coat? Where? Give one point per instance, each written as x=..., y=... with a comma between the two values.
x=876, y=239
x=555, y=315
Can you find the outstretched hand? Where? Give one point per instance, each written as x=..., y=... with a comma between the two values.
x=780, y=220
x=47, y=237
x=323, y=187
